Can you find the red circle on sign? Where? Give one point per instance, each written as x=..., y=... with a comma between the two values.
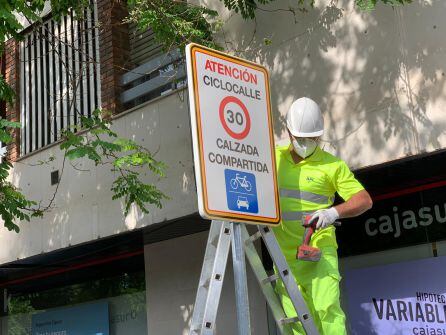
x=245, y=132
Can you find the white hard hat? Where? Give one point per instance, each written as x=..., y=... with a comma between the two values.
x=304, y=119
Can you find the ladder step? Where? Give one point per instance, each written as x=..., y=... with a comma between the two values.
x=194, y=328
x=253, y=238
x=198, y=327
x=271, y=279
x=285, y=321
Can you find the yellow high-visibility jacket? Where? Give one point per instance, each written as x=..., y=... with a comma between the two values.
x=306, y=187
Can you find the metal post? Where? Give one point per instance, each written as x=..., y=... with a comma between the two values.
x=240, y=280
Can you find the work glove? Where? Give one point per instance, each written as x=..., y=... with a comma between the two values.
x=324, y=217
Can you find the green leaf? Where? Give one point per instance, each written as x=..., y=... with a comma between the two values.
x=6, y=92
x=75, y=153
x=126, y=144
x=267, y=41
x=174, y=23
x=107, y=145
x=9, y=124
x=5, y=137
x=366, y=4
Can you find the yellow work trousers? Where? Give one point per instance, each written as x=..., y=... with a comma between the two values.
x=319, y=285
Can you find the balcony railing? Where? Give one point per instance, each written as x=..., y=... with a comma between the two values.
x=155, y=78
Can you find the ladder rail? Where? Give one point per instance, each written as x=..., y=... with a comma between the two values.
x=240, y=280
x=211, y=279
x=288, y=280
x=267, y=288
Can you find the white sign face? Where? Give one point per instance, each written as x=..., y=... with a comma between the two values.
x=232, y=136
x=404, y=298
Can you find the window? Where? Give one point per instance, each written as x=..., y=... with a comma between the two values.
x=143, y=45
x=152, y=72
x=59, y=81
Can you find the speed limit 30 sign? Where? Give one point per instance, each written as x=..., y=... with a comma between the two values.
x=232, y=137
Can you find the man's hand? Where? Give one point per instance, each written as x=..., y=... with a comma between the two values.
x=324, y=217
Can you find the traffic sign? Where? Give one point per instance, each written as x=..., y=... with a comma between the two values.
x=232, y=137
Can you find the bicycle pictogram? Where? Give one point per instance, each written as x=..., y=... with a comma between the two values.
x=241, y=191
x=242, y=182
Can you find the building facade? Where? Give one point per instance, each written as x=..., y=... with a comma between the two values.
x=378, y=76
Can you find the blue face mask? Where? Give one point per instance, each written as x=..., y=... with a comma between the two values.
x=304, y=147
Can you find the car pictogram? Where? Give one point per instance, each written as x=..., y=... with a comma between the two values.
x=242, y=202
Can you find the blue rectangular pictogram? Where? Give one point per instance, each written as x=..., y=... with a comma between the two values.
x=241, y=191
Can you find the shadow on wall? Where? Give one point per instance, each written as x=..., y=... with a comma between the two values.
x=378, y=75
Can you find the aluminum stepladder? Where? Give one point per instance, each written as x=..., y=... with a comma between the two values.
x=221, y=235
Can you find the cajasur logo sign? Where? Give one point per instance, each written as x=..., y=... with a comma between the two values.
x=405, y=220
x=402, y=221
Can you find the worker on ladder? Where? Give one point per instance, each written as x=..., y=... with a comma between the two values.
x=308, y=178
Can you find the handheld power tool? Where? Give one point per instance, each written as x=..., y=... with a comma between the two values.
x=305, y=252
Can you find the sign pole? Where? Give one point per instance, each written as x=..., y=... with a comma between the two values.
x=240, y=281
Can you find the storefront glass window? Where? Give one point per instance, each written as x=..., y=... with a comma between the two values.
x=124, y=295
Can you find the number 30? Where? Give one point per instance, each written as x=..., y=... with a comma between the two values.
x=238, y=117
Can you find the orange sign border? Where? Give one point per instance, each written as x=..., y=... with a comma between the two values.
x=215, y=214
